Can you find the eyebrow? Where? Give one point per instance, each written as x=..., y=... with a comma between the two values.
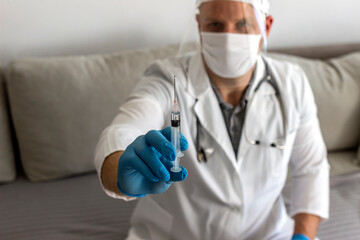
x=210, y=19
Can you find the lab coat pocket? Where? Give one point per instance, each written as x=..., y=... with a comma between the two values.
x=275, y=161
x=279, y=158
x=151, y=221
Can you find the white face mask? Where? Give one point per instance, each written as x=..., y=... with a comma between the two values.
x=230, y=55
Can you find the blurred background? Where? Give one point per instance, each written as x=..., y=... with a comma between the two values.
x=69, y=27
x=52, y=111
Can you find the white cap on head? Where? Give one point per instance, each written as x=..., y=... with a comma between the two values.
x=262, y=5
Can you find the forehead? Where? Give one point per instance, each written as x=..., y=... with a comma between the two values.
x=225, y=9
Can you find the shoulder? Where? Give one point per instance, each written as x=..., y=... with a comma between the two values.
x=161, y=72
x=288, y=72
x=290, y=76
x=294, y=85
x=157, y=81
x=166, y=68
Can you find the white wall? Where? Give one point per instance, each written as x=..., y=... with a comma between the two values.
x=67, y=27
x=314, y=22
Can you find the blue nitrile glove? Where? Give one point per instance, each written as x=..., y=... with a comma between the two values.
x=144, y=166
x=300, y=237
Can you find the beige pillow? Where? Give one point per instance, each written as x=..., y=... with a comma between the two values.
x=336, y=86
x=61, y=105
x=7, y=160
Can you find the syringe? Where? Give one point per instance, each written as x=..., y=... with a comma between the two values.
x=176, y=132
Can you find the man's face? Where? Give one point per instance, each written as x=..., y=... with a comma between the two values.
x=230, y=17
x=227, y=16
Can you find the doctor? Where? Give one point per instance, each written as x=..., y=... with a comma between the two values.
x=245, y=119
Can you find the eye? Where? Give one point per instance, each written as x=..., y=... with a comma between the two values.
x=214, y=26
x=243, y=26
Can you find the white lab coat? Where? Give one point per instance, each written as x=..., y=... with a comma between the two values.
x=226, y=198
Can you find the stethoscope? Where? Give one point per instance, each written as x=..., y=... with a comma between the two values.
x=203, y=153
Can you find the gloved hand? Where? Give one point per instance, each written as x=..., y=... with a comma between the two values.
x=300, y=237
x=144, y=166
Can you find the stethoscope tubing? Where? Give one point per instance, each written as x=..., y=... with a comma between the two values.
x=201, y=153
x=273, y=144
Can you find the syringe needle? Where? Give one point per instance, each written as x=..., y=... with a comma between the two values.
x=174, y=87
x=175, y=103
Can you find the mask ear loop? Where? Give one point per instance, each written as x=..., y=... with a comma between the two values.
x=260, y=17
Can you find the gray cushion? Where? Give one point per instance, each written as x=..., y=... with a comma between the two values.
x=320, y=52
x=61, y=105
x=336, y=86
x=342, y=163
x=7, y=160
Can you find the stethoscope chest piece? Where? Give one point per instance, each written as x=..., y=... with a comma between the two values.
x=204, y=154
x=201, y=157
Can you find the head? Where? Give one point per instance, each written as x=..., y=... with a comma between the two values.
x=232, y=16
x=232, y=33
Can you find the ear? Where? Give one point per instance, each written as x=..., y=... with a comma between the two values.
x=268, y=24
x=197, y=17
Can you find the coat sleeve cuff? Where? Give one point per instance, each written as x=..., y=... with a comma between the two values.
x=115, y=195
x=109, y=143
x=310, y=193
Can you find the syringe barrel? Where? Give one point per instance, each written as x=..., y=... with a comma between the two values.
x=175, y=138
x=175, y=130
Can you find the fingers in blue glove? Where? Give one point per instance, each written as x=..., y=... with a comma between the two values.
x=139, y=165
x=158, y=187
x=161, y=144
x=148, y=155
x=174, y=176
x=183, y=142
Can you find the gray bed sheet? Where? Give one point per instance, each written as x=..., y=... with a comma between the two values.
x=344, y=221
x=77, y=208
x=72, y=208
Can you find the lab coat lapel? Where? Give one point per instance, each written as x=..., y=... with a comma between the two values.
x=207, y=107
x=208, y=111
